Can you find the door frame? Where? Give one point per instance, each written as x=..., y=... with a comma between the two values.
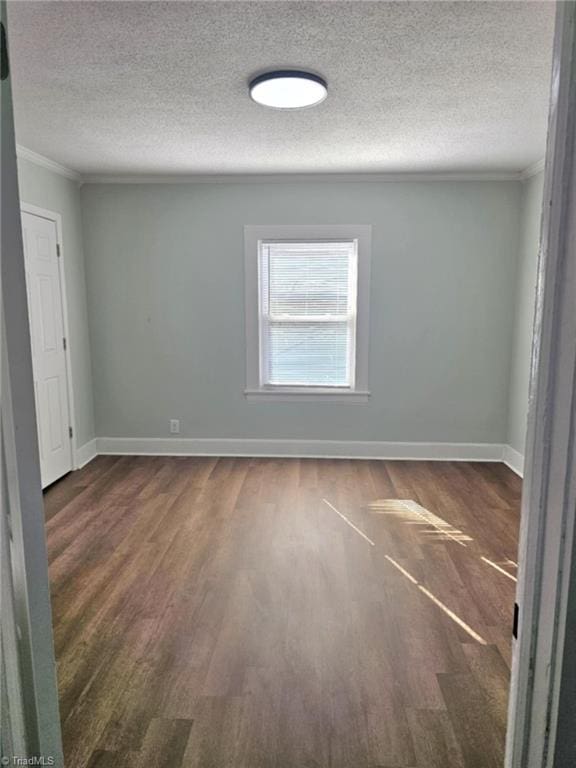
x=549, y=494
x=44, y=213
x=20, y=468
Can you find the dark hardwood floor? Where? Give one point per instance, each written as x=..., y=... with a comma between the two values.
x=271, y=613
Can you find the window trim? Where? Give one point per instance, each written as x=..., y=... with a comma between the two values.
x=253, y=234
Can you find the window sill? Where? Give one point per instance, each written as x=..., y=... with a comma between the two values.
x=307, y=395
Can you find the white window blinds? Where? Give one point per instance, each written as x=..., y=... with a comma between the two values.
x=307, y=313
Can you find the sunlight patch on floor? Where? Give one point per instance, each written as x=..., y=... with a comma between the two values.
x=498, y=568
x=411, y=512
x=431, y=596
x=350, y=523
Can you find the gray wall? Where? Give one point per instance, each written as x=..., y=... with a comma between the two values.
x=46, y=189
x=531, y=207
x=165, y=293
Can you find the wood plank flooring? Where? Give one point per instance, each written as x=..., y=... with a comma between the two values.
x=283, y=613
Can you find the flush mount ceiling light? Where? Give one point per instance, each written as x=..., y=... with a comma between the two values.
x=288, y=89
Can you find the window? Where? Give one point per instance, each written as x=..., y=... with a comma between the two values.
x=306, y=311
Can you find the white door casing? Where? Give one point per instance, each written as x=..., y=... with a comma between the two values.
x=34, y=722
x=549, y=488
x=47, y=333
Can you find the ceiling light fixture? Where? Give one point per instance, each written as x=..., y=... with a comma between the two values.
x=288, y=89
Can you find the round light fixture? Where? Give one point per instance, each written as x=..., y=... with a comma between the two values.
x=288, y=89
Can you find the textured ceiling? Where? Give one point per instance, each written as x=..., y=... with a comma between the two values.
x=161, y=87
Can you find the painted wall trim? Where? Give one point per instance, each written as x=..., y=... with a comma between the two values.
x=85, y=453
x=297, y=178
x=533, y=170
x=45, y=162
x=333, y=449
x=285, y=395
x=514, y=460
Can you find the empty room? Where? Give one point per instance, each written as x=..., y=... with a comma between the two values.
x=278, y=295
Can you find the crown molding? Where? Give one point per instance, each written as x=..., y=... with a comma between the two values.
x=533, y=170
x=284, y=178
x=276, y=178
x=45, y=162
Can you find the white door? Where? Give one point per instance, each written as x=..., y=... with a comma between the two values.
x=48, y=346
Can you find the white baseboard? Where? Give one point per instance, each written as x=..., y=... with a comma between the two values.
x=85, y=453
x=329, y=449
x=513, y=459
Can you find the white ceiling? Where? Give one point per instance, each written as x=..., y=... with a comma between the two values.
x=161, y=87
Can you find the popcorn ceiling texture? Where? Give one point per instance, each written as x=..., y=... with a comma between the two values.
x=161, y=87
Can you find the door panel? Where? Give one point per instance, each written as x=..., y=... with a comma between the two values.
x=48, y=356
x=48, y=317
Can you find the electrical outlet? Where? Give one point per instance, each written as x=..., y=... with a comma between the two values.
x=174, y=426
